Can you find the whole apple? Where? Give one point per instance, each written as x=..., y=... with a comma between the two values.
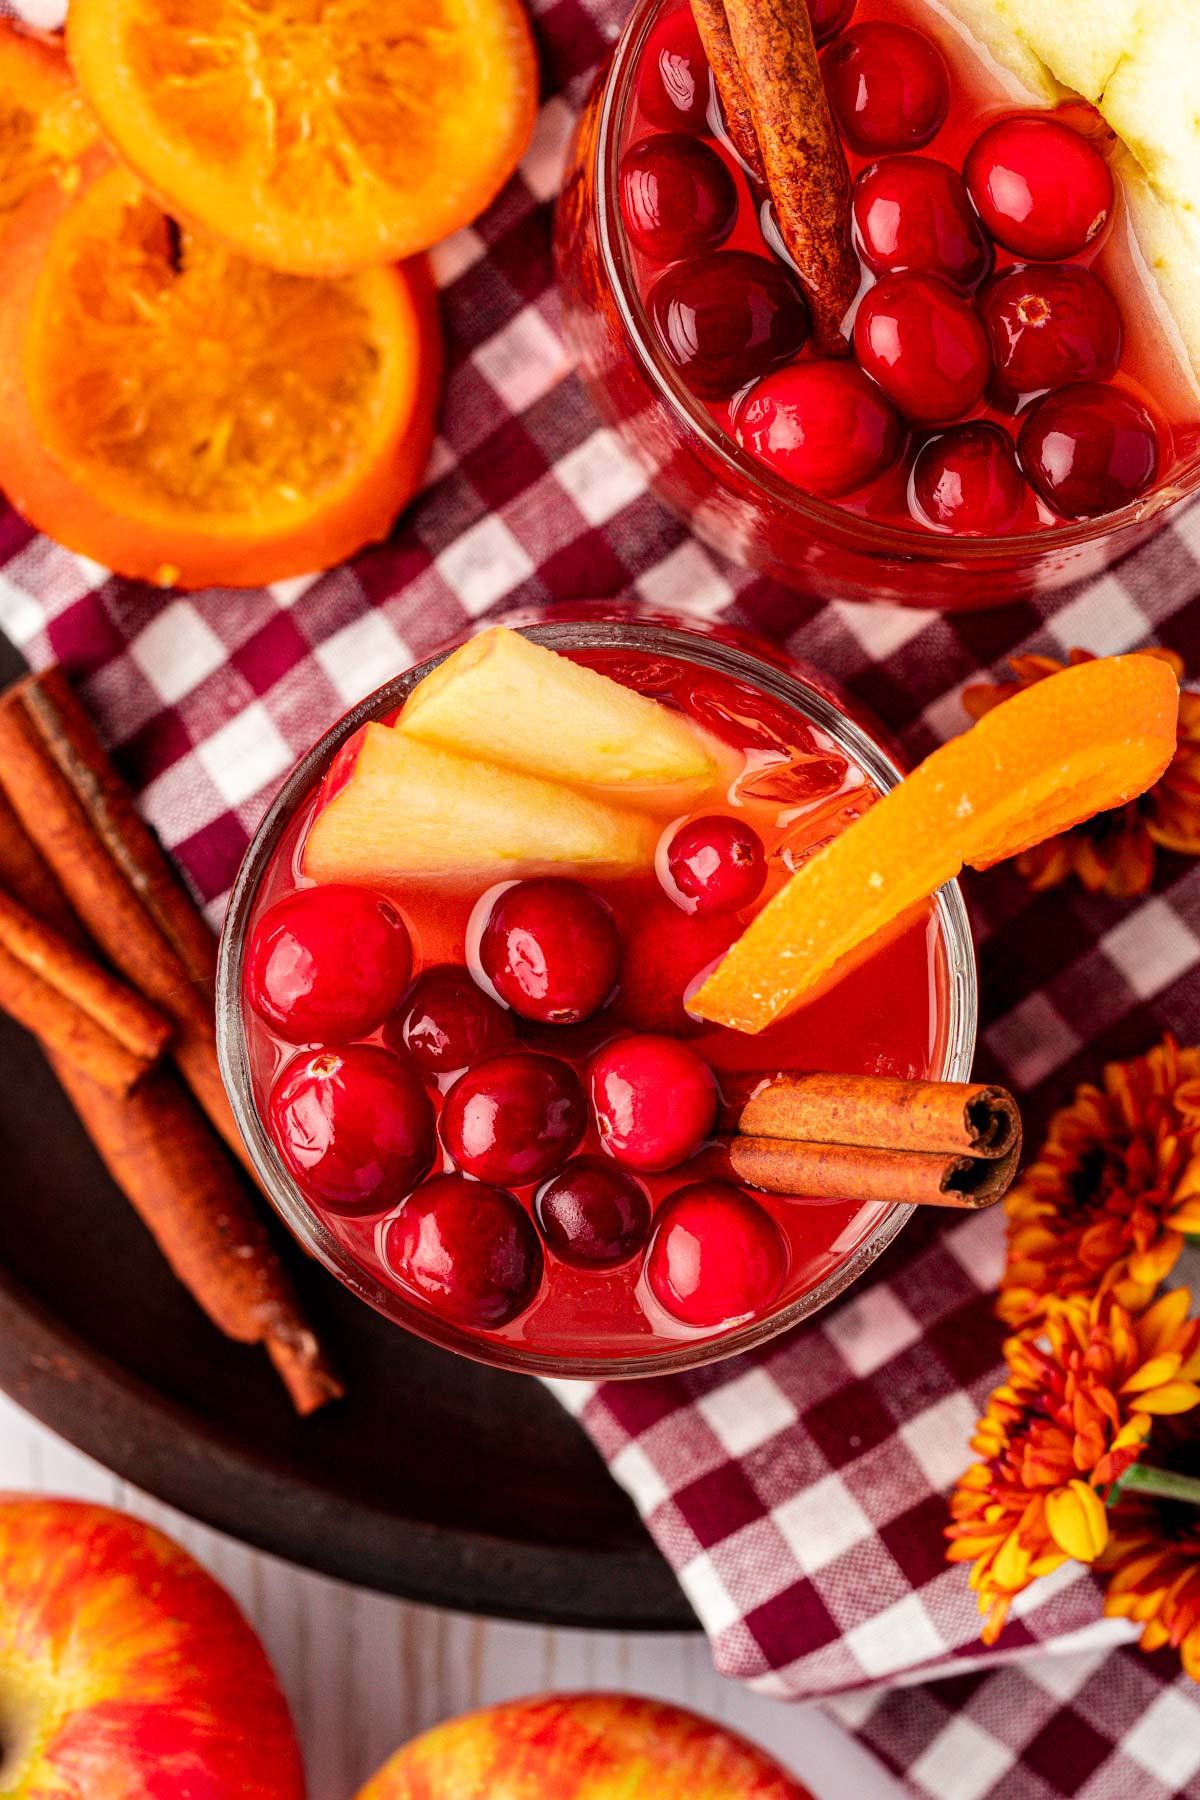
x=581, y=1747
x=126, y=1673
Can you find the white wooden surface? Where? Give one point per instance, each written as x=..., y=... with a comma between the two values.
x=363, y=1673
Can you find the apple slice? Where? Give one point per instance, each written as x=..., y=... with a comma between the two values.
x=508, y=700
x=395, y=809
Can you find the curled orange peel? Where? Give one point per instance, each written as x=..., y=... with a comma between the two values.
x=1080, y=742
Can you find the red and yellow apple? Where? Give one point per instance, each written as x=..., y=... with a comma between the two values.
x=126, y=1673
x=581, y=1747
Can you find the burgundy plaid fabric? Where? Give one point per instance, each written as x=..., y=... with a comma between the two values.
x=799, y=1493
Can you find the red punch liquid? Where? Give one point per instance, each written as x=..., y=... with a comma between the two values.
x=795, y=788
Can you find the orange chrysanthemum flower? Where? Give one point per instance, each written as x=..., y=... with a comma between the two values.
x=1114, y=852
x=1113, y=1192
x=1152, y=1560
x=1073, y=1415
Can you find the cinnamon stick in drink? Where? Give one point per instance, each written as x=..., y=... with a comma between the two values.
x=713, y=27
x=864, y=1137
x=773, y=81
x=84, y=822
x=78, y=1009
x=160, y=1151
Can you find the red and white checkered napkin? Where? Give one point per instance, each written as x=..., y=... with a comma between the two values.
x=799, y=1493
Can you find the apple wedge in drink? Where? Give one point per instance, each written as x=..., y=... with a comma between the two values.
x=395, y=809
x=507, y=700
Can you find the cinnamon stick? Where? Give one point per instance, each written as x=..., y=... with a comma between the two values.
x=84, y=822
x=713, y=27
x=160, y=1151
x=774, y=81
x=76, y=1007
x=864, y=1137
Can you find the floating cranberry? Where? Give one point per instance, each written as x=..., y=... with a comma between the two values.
x=717, y=864
x=716, y=1256
x=593, y=1214
x=667, y=954
x=1041, y=189
x=889, y=87
x=727, y=318
x=824, y=426
x=355, y=1126
x=673, y=85
x=914, y=213
x=654, y=1100
x=924, y=344
x=515, y=1118
x=450, y=1022
x=470, y=1249
x=551, y=951
x=328, y=964
x=1089, y=449
x=967, y=481
x=1051, y=326
x=677, y=197
x=829, y=17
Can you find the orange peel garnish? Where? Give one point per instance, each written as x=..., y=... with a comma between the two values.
x=1074, y=745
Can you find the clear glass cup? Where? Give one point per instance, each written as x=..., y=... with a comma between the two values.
x=815, y=699
x=730, y=499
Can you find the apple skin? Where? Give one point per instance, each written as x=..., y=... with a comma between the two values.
x=581, y=1747
x=126, y=1672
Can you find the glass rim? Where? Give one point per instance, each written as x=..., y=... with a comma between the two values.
x=307, y=1225
x=867, y=533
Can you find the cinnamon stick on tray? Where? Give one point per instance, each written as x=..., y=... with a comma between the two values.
x=764, y=61
x=160, y=1151
x=83, y=820
x=863, y=1137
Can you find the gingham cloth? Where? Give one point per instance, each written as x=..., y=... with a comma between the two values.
x=799, y=1493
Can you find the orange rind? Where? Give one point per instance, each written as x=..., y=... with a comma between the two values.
x=45, y=122
x=1093, y=737
x=188, y=418
x=317, y=139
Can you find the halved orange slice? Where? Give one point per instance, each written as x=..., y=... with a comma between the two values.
x=184, y=416
x=1079, y=742
x=45, y=122
x=316, y=136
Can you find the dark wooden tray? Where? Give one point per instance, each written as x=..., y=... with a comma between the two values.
x=436, y=1479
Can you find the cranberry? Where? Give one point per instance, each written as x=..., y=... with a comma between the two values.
x=355, y=1127
x=450, y=1022
x=1041, y=189
x=470, y=1249
x=677, y=197
x=328, y=964
x=829, y=17
x=715, y=1256
x=968, y=481
x=514, y=1118
x=673, y=84
x=654, y=1100
x=1089, y=449
x=666, y=954
x=923, y=342
x=593, y=1214
x=718, y=864
x=1051, y=326
x=728, y=317
x=824, y=426
x=551, y=950
x=913, y=213
x=889, y=87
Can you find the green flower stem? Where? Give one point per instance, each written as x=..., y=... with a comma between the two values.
x=1164, y=1484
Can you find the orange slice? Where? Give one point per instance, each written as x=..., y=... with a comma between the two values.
x=187, y=417
x=318, y=136
x=45, y=123
x=1076, y=744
